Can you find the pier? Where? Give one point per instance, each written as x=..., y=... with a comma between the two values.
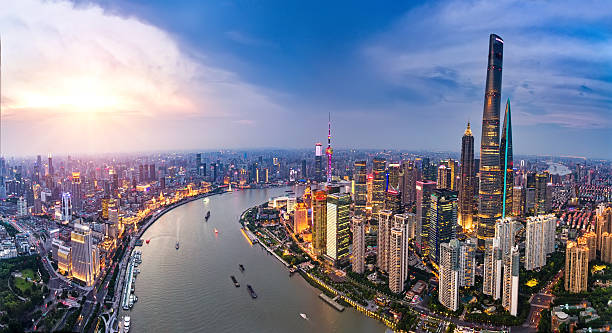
x=331, y=301
x=127, y=287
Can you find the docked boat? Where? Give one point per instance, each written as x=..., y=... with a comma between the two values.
x=235, y=281
x=126, y=324
x=241, y=267
x=251, y=291
x=303, y=315
x=177, y=245
x=207, y=215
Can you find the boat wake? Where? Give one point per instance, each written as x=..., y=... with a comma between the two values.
x=303, y=315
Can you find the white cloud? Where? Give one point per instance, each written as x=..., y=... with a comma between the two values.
x=60, y=59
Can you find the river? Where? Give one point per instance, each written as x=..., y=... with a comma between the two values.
x=189, y=290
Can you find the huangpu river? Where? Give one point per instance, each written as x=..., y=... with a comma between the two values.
x=189, y=289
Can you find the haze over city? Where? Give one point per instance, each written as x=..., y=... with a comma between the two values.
x=119, y=76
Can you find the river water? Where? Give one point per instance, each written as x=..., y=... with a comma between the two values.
x=189, y=290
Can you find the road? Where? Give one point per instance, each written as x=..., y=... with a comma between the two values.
x=541, y=301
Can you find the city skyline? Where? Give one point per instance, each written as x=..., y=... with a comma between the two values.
x=105, y=105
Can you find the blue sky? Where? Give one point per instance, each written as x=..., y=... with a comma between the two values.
x=393, y=74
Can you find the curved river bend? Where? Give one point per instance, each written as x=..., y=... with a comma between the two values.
x=189, y=290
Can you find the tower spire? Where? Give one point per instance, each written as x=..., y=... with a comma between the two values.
x=329, y=150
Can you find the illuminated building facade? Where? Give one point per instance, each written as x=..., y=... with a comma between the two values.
x=319, y=222
x=66, y=207
x=378, y=184
x=329, y=151
x=64, y=260
x=424, y=189
x=541, y=181
x=85, y=258
x=360, y=178
x=511, y=281
x=338, y=227
x=300, y=218
x=410, y=175
x=76, y=191
x=395, y=256
x=489, y=196
x=318, y=162
x=442, y=220
x=576, y=267
x=466, y=181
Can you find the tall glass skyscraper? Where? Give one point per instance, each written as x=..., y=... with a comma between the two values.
x=378, y=184
x=489, y=195
x=466, y=187
x=360, y=177
x=506, y=162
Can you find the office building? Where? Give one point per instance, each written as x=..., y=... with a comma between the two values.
x=300, y=218
x=64, y=260
x=466, y=181
x=444, y=177
x=385, y=223
x=410, y=175
x=511, y=281
x=424, y=189
x=66, y=207
x=378, y=184
x=360, y=194
x=318, y=162
x=319, y=222
x=448, y=293
x=576, y=267
x=489, y=197
x=442, y=220
x=393, y=201
x=338, y=227
x=85, y=258
x=506, y=163
x=396, y=255
x=518, y=201
x=540, y=205
x=393, y=177
x=358, y=257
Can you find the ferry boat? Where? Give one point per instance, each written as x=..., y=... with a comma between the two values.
x=235, y=281
x=251, y=291
x=177, y=245
x=303, y=315
x=241, y=267
x=207, y=215
x=126, y=324
x=216, y=231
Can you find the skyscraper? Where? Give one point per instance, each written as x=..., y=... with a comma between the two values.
x=360, y=176
x=84, y=255
x=423, y=201
x=66, y=207
x=507, y=163
x=576, y=267
x=300, y=218
x=338, y=227
x=492, y=270
x=378, y=184
x=541, y=180
x=410, y=175
x=467, y=263
x=466, y=188
x=444, y=177
x=442, y=220
x=318, y=162
x=489, y=197
x=358, y=258
x=511, y=281
x=396, y=255
x=319, y=222
x=448, y=293
x=385, y=224
x=76, y=193
x=539, y=240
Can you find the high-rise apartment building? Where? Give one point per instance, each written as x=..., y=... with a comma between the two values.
x=442, y=220
x=590, y=238
x=378, y=184
x=535, y=254
x=492, y=268
x=489, y=196
x=576, y=267
x=358, y=257
x=424, y=189
x=511, y=281
x=360, y=195
x=319, y=222
x=605, y=249
x=466, y=181
x=396, y=256
x=448, y=293
x=467, y=262
x=338, y=227
x=385, y=223
x=518, y=201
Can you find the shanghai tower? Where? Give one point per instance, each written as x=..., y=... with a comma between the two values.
x=489, y=195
